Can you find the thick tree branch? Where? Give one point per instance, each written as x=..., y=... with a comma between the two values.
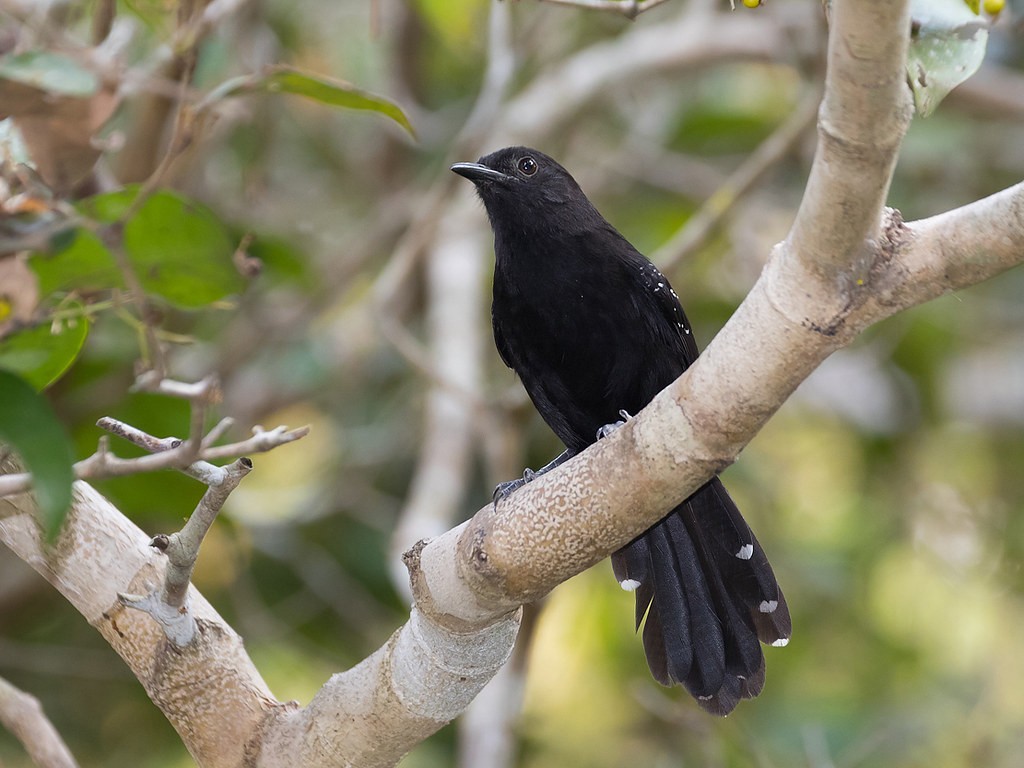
x=100, y=553
x=469, y=582
x=698, y=36
x=423, y=677
x=864, y=115
x=962, y=247
x=573, y=517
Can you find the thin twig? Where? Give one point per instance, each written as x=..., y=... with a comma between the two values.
x=206, y=390
x=136, y=436
x=260, y=442
x=112, y=236
x=192, y=457
x=218, y=431
x=169, y=606
x=182, y=548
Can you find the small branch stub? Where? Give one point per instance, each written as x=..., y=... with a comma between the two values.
x=178, y=624
x=169, y=606
x=182, y=548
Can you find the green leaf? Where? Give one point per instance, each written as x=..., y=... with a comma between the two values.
x=42, y=355
x=110, y=206
x=335, y=93
x=29, y=426
x=50, y=72
x=80, y=261
x=947, y=46
x=181, y=251
x=83, y=264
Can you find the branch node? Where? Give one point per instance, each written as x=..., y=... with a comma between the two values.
x=411, y=557
x=177, y=622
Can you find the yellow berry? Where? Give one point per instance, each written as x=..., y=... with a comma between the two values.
x=756, y=3
x=993, y=7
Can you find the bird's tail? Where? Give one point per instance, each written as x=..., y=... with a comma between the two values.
x=710, y=599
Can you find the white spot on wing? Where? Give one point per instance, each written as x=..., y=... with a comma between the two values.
x=782, y=642
x=630, y=585
x=768, y=606
x=746, y=552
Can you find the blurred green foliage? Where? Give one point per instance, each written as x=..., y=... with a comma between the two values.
x=888, y=492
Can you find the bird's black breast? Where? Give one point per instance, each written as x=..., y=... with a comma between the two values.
x=590, y=326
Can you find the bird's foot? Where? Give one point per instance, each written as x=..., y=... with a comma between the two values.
x=506, y=489
x=607, y=429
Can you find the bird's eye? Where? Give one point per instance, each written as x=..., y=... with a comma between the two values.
x=527, y=166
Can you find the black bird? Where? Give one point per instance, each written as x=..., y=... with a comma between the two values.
x=593, y=329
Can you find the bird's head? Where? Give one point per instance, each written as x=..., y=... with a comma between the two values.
x=520, y=182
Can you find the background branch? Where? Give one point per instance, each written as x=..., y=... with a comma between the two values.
x=628, y=8
x=695, y=233
x=22, y=715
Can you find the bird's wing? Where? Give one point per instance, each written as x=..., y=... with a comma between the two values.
x=680, y=334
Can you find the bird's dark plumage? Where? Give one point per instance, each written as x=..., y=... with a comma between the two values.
x=592, y=327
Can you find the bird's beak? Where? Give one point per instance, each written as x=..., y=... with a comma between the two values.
x=476, y=172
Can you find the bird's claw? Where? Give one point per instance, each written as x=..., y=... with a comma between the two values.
x=607, y=429
x=507, y=488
